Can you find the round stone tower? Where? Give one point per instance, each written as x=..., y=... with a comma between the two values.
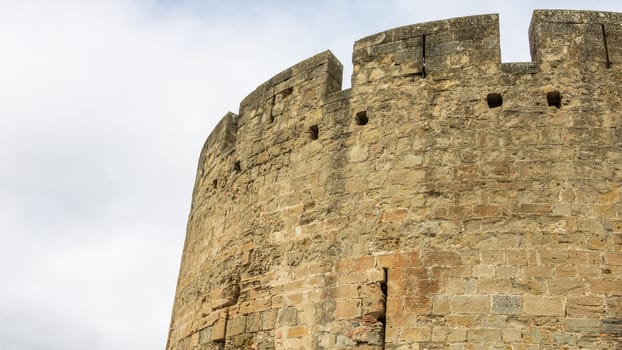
x=447, y=200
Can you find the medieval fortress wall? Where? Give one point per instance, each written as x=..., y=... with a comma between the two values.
x=447, y=200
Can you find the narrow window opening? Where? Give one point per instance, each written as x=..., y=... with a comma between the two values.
x=554, y=98
x=494, y=100
x=215, y=183
x=361, y=118
x=423, y=73
x=314, y=132
x=607, y=61
x=385, y=291
x=271, y=118
x=237, y=167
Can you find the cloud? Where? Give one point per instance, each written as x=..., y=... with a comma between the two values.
x=104, y=106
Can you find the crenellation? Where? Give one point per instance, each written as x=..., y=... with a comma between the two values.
x=322, y=72
x=464, y=203
x=417, y=50
x=571, y=36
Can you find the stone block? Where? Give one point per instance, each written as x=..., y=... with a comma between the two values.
x=253, y=322
x=506, y=304
x=417, y=305
x=288, y=316
x=484, y=270
x=543, y=306
x=297, y=332
x=441, y=304
x=564, y=338
x=538, y=271
x=587, y=325
x=347, y=309
x=294, y=298
x=394, y=260
x=606, y=287
x=443, y=258
x=494, y=286
x=236, y=325
x=449, y=335
x=613, y=258
x=553, y=257
x=585, y=307
x=268, y=319
x=241, y=341
x=484, y=336
x=493, y=257
x=205, y=335
x=219, y=330
x=567, y=286
x=614, y=307
x=511, y=335
x=454, y=286
x=475, y=304
x=416, y=334
x=536, y=335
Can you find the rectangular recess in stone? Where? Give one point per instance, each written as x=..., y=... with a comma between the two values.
x=314, y=132
x=361, y=118
x=494, y=100
x=287, y=92
x=554, y=98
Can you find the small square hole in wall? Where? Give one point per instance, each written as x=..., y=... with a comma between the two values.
x=554, y=98
x=314, y=132
x=237, y=167
x=494, y=100
x=361, y=118
x=287, y=92
x=215, y=183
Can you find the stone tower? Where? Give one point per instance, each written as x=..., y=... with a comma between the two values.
x=446, y=201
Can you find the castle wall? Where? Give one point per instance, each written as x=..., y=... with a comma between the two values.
x=446, y=200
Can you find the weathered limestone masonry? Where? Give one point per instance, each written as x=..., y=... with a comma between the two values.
x=446, y=201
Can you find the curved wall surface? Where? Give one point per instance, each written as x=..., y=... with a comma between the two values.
x=447, y=200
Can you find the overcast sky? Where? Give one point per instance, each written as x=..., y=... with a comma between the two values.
x=104, y=106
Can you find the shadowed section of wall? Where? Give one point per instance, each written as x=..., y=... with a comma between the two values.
x=446, y=201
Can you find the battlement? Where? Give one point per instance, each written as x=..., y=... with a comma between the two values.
x=445, y=200
x=321, y=73
x=459, y=48
x=589, y=37
x=466, y=44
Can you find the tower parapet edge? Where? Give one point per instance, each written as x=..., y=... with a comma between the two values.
x=446, y=200
x=564, y=37
x=466, y=44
